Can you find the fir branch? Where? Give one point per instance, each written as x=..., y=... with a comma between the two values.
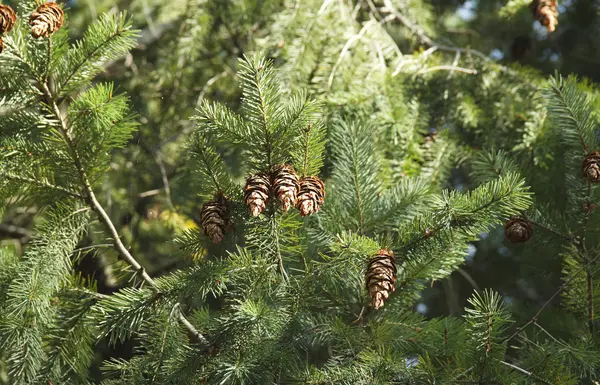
x=42, y=183
x=261, y=101
x=535, y=317
x=525, y=372
x=571, y=110
x=97, y=207
x=209, y=164
x=108, y=38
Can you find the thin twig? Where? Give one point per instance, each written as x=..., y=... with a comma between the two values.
x=210, y=82
x=42, y=183
x=590, y=298
x=560, y=289
x=165, y=179
x=451, y=68
x=525, y=372
x=550, y=230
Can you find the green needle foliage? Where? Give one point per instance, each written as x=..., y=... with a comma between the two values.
x=113, y=138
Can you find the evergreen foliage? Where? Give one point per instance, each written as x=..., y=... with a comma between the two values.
x=427, y=147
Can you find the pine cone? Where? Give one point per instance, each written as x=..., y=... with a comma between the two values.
x=1, y=45
x=546, y=12
x=311, y=195
x=214, y=219
x=8, y=17
x=381, y=276
x=517, y=230
x=285, y=186
x=46, y=19
x=256, y=193
x=590, y=168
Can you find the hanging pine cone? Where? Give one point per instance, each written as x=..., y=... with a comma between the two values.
x=8, y=17
x=214, y=218
x=590, y=168
x=311, y=195
x=285, y=186
x=256, y=193
x=46, y=19
x=546, y=12
x=381, y=276
x=518, y=230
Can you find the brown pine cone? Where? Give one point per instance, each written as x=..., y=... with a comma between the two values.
x=8, y=18
x=285, y=186
x=214, y=218
x=518, y=230
x=1, y=45
x=311, y=195
x=46, y=19
x=256, y=193
x=546, y=12
x=590, y=168
x=381, y=276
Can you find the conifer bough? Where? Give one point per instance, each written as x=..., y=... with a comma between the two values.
x=46, y=20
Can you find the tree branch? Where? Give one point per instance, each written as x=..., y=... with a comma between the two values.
x=104, y=218
x=41, y=183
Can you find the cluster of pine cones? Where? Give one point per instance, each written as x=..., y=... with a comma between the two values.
x=546, y=12
x=307, y=194
x=44, y=21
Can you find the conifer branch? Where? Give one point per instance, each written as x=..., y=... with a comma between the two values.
x=556, y=293
x=44, y=184
x=97, y=207
x=451, y=68
x=525, y=372
x=426, y=40
x=550, y=230
x=590, y=298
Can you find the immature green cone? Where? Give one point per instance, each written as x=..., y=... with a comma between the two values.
x=311, y=195
x=46, y=19
x=256, y=193
x=214, y=219
x=546, y=12
x=518, y=230
x=8, y=18
x=285, y=186
x=590, y=168
x=381, y=276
